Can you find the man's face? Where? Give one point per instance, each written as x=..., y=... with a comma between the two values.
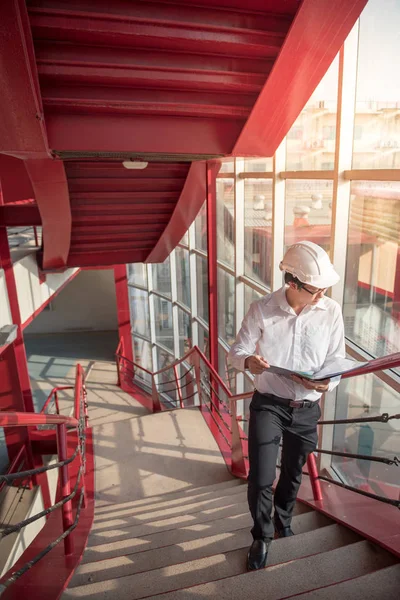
x=308, y=294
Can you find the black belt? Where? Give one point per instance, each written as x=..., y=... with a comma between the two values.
x=287, y=402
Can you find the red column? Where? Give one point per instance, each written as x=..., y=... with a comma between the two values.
x=212, y=170
x=123, y=312
x=15, y=384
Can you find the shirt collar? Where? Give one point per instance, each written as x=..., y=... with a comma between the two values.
x=281, y=301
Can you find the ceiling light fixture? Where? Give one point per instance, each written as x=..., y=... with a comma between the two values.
x=135, y=164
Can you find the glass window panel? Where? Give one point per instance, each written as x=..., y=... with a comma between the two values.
x=227, y=166
x=361, y=397
x=185, y=332
x=377, y=122
x=137, y=274
x=202, y=288
x=139, y=303
x=142, y=354
x=204, y=341
x=183, y=276
x=163, y=322
x=310, y=143
x=258, y=230
x=308, y=212
x=226, y=306
x=201, y=229
x=225, y=371
x=162, y=278
x=226, y=221
x=166, y=383
x=372, y=284
x=185, y=240
x=250, y=296
x=258, y=165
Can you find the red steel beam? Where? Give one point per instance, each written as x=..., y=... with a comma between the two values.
x=122, y=30
x=14, y=179
x=22, y=129
x=316, y=36
x=106, y=258
x=19, y=215
x=190, y=201
x=51, y=193
x=136, y=134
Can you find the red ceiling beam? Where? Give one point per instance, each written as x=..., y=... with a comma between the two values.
x=51, y=193
x=94, y=259
x=19, y=215
x=138, y=134
x=108, y=29
x=191, y=200
x=316, y=36
x=14, y=180
x=22, y=130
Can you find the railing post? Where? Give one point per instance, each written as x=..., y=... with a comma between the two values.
x=155, y=396
x=118, y=371
x=196, y=364
x=313, y=474
x=65, y=486
x=238, y=465
x=56, y=402
x=178, y=386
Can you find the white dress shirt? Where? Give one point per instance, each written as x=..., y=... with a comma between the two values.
x=304, y=342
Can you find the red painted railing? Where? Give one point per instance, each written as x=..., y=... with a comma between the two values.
x=219, y=405
x=54, y=396
x=62, y=424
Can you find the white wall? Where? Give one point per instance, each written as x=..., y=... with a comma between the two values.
x=87, y=303
x=5, y=313
x=31, y=293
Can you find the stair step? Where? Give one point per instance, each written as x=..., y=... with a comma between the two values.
x=127, y=519
x=179, y=503
x=275, y=582
x=103, y=506
x=310, y=542
x=384, y=583
x=302, y=522
x=228, y=567
x=232, y=511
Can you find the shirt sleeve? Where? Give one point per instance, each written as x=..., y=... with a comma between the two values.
x=337, y=346
x=246, y=340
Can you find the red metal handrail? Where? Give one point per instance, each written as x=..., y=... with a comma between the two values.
x=62, y=422
x=238, y=465
x=54, y=392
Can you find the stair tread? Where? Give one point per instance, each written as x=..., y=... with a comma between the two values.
x=384, y=583
x=308, y=542
x=226, y=578
x=168, y=496
x=127, y=519
x=179, y=503
x=303, y=521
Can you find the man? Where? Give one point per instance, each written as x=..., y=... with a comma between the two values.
x=300, y=329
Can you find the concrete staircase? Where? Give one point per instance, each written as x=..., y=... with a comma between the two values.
x=191, y=545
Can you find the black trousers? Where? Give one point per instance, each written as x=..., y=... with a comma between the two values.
x=270, y=421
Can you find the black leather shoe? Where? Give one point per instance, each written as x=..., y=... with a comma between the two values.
x=257, y=555
x=282, y=532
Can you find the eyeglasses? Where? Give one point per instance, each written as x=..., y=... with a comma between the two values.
x=315, y=292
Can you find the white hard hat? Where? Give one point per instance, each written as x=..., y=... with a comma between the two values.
x=310, y=264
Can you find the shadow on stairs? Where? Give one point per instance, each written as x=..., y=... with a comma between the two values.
x=191, y=545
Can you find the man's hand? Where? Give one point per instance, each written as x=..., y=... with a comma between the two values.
x=256, y=364
x=318, y=386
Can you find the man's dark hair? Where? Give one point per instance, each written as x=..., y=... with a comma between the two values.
x=291, y=278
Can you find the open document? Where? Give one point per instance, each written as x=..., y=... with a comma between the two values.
x=335, y=368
